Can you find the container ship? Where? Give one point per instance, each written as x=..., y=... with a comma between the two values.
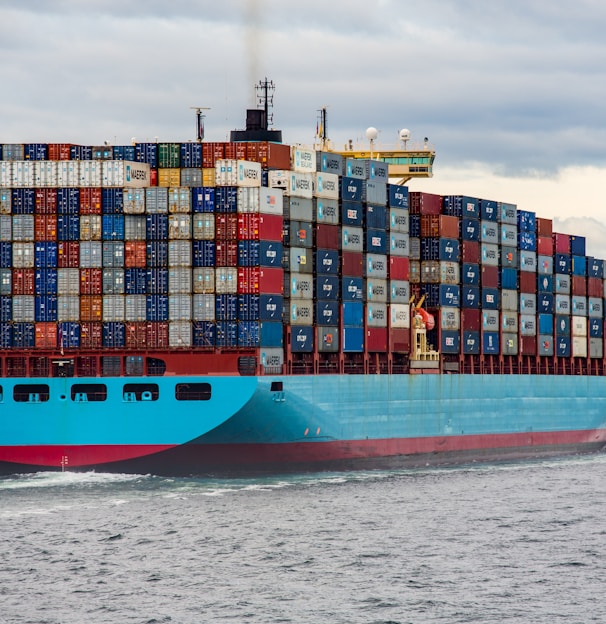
x=246, y=306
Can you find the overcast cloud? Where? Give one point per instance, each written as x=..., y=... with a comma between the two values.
x=517, y=88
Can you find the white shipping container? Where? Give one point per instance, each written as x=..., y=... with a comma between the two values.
x=122, y=173
x=6, y=174
x=45, y=173
x=399, y=315
x=545, y=265
x=134, y=201
x=489, y=254
x=134, y=227
x=226, y=280
x=376, y=266
x=562, y=284
x=23, y=308
x=292, y=183
x=377, y=290
x=509, y=235
x=301, y=312
x=91, y=227
x=489, y=232
x=68, y=281
x=509, y=321
x=23, y=227
x=5, y=200
x=23, y=255
x=68, y=173
x=203, y=226
x=179, y=253
x=179, y=334
x=156, y=200
x=203, y=307
x=22, y=174
x=352, y=238
x=113, y=308
x=399, y=220
x=509, y=300
x=562, y=304
x=579, y=346
x=90, y=173
x=302, y=160
x=272, y=359
x=326, y=211
x=596, y=307
x=399, y=244
x=6, y=227
x=271, y=201
x=579, y=305
x=248, y=199
x=399, y=291
x=508, y=214
x=450, y=272
x=578, y=326
x=6, y=281
x=179, y=227
x=179, y=280
x=509, y=343
x=528, y=261
x=490, y=320
x=301, y=286
x=376, y=314
x=596, y=348
x=528, y=303
x=68, y=308
x=326, y=185
x=179, y=200
x=528, y=325
x=113, y=281
x=230, y=172
x=135, y=308
x=203, y=280
x=450, y=318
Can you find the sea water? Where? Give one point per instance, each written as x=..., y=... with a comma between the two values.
x=517, y=542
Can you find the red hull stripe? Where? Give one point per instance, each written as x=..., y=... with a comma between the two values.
x=65, y=456
x=226, y=455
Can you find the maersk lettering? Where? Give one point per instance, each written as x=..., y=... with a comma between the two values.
x=357, y=170
x=252, y=174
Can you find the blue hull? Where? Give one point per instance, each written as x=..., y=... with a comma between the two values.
x=256, y=423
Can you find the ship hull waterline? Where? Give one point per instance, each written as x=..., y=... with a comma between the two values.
x=291, y=423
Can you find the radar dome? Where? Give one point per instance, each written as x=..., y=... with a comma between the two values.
x=372, y=133
x=404, y=134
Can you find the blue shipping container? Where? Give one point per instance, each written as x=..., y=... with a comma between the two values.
x=376, y=217
x=203, y=253
x=527, y=221
x=45, y=308
x=327, y=313
x=271, y=307
x=490, y=298
x=23, y=201
x=227, y=334
x=546, y=324
x=6, y=308
x=470, y=297
x=470, y=342
x=490, y=343
x=353, y=313
x=124, y=152
x=448, y=249
x=579, y=265
x=595, y=267
x=113, y=335
x=509, y=278
x=112, y=201
x=545, y=283
x=327, y=262
x=203, y=199
x=45, y=255
x=376, y=241
x=562, y=264
x=272, y=335
x=450, y=342
x=397, y=196
x=469, y=229
x=248, y=253
x=352, y=213
x=68, y=201
x=156, y=281
x=204, y=333
x=6, y=336
x=577, y=245
x=68, y=335
x=488, y=210
x=351, y=189
x=596, y=328
x=248, y=333
x=68, y=227
x=545, y=303
x=562, y=346
x=226, y=199
x=157, y=254
x=135, y=281
x=270, y=254
x=327, y=287
x=527, y=241
x=352, y=289
x=112, y=227
x=156, y=307
x=470, y=274
x=450, y=296
x=562, y=325
x=24, y=336
x=353, y=339
x=191, y=155
x=226, y=307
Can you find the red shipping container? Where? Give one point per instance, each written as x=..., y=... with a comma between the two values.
x=399, y=340
x=241, y=149
x=226, y=226
x=470, y=319
x=271, y=280
x=135, y=254
x=135, y=335
x=46, y=201
x=595, y=287
x=68, y=255
x=274, y=155
x=226, y=253
x=270, y=227
x=561, y=243
x=46, y=335
x=527, y=281
x=528, y=345
x=437, y=225
x=91, y=281
x=248, y=280
x=90, y=200
x=157, y=335
x=470, y=252
x=91, y=308
x=229, y=150
x=45, y=227
x=399, y=268
x=23, y=281
x=376, y=339
x=328, y=236
x=579, y=286
x=424, y=203
x=91, y=335
x=490, y=276
x=153, y=177
x=544, y=227
x=59, y=151
x=545, y=246
x=352, y=264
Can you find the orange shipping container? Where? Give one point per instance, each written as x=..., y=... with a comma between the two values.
x=90, y=200
x=135, y=335
x=91, y=335
x=23, y=281
x=45, y=227
x=91, y=281
x=59, y=151
x=46, y=335
x=91, y=308
x=135, y=254
x=46, y=201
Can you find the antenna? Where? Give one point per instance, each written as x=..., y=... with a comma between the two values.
x=200, y=121
x=265, y=98
x=372, y=134
x=321, y=131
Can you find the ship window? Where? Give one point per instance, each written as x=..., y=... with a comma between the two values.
x=141, y=392
x=31, y=393
x=89, y=392
x=1, y=394
x=193, y=392
x=276, y=386
x=156, y=367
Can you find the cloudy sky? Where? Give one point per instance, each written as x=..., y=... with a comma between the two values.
x=511, y=94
